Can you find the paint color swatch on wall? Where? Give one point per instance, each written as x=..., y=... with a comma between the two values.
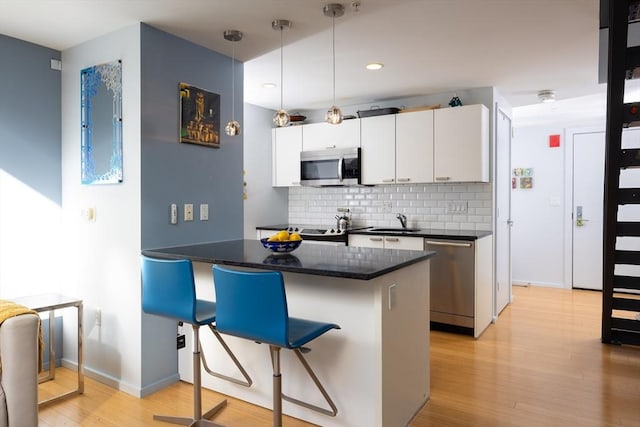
x=554, y=141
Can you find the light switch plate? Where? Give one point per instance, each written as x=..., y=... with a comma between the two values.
x=204, y=212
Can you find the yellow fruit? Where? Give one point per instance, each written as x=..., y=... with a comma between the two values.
x=283, y=235
x=273, y=238
x=295, y=236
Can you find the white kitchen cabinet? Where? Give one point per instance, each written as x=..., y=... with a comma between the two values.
x=321, y=136
x=285, y=156
x=378, y=141
x=387, y=242
x=414, y=147
x=461, y=144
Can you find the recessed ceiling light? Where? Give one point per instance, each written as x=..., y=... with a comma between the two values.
x=268, y=85
x=374, y=66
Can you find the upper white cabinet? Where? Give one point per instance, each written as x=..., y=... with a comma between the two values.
x=461, y=144
x=414, y=147
x=321, y=136
x=378, y=142
x=397, y=148
x=285, y=155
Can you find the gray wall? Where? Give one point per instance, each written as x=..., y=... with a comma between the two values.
x=173, y=172
x=30, y=116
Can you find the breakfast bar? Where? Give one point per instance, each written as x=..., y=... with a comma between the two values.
x=375, y=368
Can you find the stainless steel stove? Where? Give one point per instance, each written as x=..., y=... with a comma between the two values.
x=319, y=234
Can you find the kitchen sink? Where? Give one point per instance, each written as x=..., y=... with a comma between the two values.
x=393, y=230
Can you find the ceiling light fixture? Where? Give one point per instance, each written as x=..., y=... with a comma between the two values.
x=373, y=66
x=233, y=127
x=281, y=118
x=334, y=114
x=547, y=95
x=268, y=85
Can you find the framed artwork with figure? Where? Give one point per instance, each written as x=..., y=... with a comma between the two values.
x=199, y=116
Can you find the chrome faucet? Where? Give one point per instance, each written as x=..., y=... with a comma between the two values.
x=403, y=219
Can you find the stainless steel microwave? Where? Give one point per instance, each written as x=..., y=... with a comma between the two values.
x=331, y=167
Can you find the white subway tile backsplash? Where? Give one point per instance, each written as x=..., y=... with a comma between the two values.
x=425, y=205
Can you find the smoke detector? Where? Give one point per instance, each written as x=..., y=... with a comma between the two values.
x=547, y=95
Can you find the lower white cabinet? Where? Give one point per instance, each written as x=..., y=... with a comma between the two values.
x=387, y=242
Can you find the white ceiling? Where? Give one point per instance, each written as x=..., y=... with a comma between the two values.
x=427, y=46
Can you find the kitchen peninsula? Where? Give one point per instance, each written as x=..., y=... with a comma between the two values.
x=376, y=367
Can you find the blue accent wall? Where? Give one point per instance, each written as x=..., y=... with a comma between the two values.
x=30, y=118
x=174, y=172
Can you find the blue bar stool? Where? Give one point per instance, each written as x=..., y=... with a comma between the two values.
x=253, y=305
x=168, y=289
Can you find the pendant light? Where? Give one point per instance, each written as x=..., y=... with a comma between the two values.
x=233, y=127
x=334, y=114
x=281, y=118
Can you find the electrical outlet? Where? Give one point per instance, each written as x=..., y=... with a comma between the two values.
x=457, y=207
x=181, y=341
x=188, y=212
x=386, y=206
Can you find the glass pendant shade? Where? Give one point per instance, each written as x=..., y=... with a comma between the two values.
x=281, y=118
x=333, y=116
x=233, y=127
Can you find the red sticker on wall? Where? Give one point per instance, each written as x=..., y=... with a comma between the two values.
x=554, y=141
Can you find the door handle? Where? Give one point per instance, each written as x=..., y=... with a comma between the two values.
x=510, y=223
x=580, y=222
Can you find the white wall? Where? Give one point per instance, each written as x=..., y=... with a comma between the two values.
x=101, y=258
x=537, y=213
x=263, y=204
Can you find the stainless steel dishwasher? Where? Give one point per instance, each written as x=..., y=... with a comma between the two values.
x=452, y=285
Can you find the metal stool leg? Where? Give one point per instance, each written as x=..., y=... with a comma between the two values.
x=198, y=419
x=277, y=385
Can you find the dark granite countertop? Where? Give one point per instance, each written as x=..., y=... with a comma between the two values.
x=430, y=233
x=336, y=261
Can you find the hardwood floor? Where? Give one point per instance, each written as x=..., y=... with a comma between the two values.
x=541, y=364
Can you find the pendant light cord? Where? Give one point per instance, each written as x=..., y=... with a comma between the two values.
x=281, y=68
x=333, y=25
x=233, y=83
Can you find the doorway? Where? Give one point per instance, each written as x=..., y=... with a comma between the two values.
x=587, y=189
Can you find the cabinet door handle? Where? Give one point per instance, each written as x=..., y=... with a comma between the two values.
x=375, y=239
x=388, y=180
x=462, y=245
x=391, y=239
x=330, y=147
x=443, y=178
x=404, y=179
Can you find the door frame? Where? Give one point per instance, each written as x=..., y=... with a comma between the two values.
x=568, y=198
x=498, y=112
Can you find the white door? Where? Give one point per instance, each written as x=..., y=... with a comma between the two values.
x=503, y=212
x=588, y=188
